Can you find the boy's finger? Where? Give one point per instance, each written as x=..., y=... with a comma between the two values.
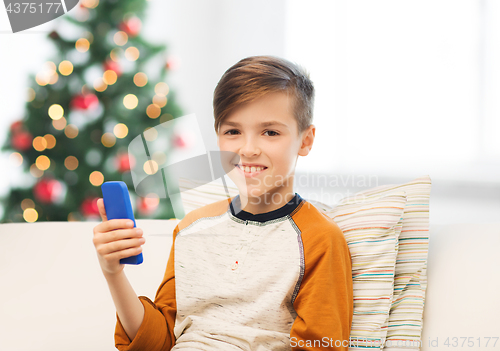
x=102, y=210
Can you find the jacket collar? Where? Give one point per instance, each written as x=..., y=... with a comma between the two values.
x=289, y=207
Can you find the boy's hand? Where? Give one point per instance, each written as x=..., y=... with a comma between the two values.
x=115, y=239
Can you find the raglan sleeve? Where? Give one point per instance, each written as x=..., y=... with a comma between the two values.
x=324, y=302
x=156, y=332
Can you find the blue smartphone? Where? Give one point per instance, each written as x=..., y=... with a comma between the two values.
x=117, y=204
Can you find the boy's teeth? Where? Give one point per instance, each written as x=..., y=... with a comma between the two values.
x=252, y=169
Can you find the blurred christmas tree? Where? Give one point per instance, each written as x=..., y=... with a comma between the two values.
x=105, y=87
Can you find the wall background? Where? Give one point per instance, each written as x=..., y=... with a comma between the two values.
x=403, y=88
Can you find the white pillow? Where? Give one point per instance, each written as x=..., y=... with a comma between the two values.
x=196, y=194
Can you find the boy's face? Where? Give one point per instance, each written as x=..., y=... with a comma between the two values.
x=276, y=146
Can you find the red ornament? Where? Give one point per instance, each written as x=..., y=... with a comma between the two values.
x=131, y=26
x=172, y=63
x=48, y=191
x=112, y=65
x=124, y=162
x=21, y=140
x=85, y=102
x=148, y=205
x=16, y=126
x=89, y=207
x=54, y=35
x=183, y=140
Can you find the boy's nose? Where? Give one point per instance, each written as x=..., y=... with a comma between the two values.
x=250, y=148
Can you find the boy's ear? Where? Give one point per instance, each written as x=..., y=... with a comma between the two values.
x=307, y=140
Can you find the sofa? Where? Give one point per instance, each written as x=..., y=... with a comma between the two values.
x=54, y=296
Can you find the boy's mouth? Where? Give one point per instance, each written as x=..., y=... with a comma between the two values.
x=250, y=171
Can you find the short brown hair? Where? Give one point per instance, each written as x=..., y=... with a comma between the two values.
x=255, y=76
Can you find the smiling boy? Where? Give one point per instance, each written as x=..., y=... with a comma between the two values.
x=264, y=270
x=265, y=135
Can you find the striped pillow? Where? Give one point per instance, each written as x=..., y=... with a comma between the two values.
x=404, y=325
x=371, y=228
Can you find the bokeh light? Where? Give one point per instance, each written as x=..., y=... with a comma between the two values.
x=71, y=131
x=140, y=79
x=153, y=111
x=100, y=85
x=150, y=134
x=165, y=118
x=16, y=159
x=162, y=88
x=27, y=203
x=30, y=215
x=96, y=178
x=59, y=124
x=39, y=143
x=108, y=140
x=42, y=78
x=110, y=77
x=66, y=68
x=115, y=54
x=82, y=44
x=91, y=4
x=132, y=53
x=31, y=95
x=51, y=140
x=130, y=101
x=160, y=100
x=54, y=78
x=120, y=38
x=50, y=67
x=56, y=111
x=150, y=167
x=35, y=171
x=45, y=76
x=120, y=130
x=71, y=163
x=42, y=162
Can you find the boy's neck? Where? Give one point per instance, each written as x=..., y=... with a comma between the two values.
x=266, y=202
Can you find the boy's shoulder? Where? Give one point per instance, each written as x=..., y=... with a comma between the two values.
x=211, y=210
x=314, y=222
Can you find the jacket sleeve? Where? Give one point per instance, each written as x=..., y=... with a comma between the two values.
x=324, y=303
x=156, y=332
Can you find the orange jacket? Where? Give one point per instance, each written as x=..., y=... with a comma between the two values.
x=280, y=280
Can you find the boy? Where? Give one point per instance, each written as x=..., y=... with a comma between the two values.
x=264, y=270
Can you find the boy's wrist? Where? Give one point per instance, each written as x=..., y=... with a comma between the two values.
x=112, y=276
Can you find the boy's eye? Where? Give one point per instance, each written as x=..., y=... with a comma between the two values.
x=230, y=130
x=272, y=131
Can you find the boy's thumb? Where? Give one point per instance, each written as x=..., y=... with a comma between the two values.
x=102, y=210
